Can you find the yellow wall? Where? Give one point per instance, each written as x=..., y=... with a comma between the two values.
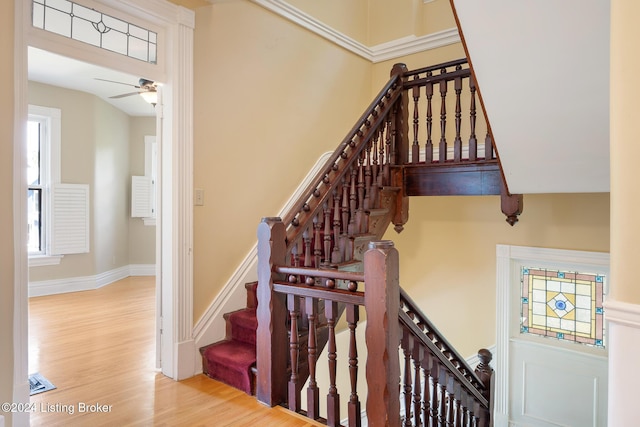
x=348, y=17
x=447, y=253
x=6, y=211
x=625, y=151
x=266, y=107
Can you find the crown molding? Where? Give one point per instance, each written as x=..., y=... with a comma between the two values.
x=378, y=53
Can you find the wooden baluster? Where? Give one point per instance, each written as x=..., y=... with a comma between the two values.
x=407, y=342
x=457, y=142
x=426, y=389
x=317, y=240
x=373, y=189
x=435, y=401
x=361, y=186
x=293, y=304
x=417, y=355
x=442, y=396
x=381, y=156
x=327, y=234
x=429, y=147
x=336, y=255
x=457, y=396
x=313, y=394
x=353, y=316
x=353, y=200
x=443, y=120
x=333, y=398
x=366, y=203
x=488, y=147
x=415, y=147
x=388, y=150
x=344, y=241
x=450, y=400
x=306, y=237
x=473, y=142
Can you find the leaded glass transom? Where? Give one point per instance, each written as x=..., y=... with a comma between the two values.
x=80, y=23
x=565, y=305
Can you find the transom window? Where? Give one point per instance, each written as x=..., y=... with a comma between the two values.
x=77, y=22
x=566, y=305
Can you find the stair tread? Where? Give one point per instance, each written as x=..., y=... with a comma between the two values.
x=231, y=352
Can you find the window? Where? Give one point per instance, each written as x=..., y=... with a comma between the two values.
x=43, y=170
x=143, y=188
x=566, y=305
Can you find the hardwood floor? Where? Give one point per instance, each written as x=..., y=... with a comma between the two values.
x=98, y=348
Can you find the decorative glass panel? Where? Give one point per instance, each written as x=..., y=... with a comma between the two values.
x=565, y=305
x=77, y=22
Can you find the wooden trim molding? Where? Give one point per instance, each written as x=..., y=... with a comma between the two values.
x=622, y=313
x=382, y=52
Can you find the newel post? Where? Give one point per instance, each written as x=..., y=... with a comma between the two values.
x=484, y=371
x=401, y=123
x=382, y=333
x=271, y=340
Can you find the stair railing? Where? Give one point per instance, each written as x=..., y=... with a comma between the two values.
x=368, y=171
x=438, y=386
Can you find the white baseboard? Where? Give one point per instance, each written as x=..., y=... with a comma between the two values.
x=87, y=283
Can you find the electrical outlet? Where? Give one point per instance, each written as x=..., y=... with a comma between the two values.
x=199, y=196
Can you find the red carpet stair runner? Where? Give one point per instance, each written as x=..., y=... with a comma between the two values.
x=232, y=360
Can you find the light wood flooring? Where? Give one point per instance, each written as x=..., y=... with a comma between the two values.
x=98, y=348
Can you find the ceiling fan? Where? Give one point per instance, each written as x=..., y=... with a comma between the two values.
x=148, y=90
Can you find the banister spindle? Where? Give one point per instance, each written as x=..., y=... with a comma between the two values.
x=426, y=390
x=317, y=242
x=417, y=355
x=473, y=141
x=293, y=304
x=353, y=316
x=407, y=341
x=429, y=147
x=333, y=398
x=443, y=120
x=336, y=255
x=327, y=234
x=488, y=147
x=313, y=393
x=457, y=143
x=415, y=147
x=367, y=202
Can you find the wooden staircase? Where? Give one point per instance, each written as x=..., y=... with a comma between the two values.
x=324, y=258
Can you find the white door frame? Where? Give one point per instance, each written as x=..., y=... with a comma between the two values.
x=508, y=260
x=175, y=26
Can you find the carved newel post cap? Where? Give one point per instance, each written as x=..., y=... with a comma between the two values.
x=485, y=356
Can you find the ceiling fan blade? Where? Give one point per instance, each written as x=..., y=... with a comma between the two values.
x=120, y=83
x=124, y=95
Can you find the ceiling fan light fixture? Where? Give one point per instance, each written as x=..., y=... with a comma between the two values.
x=150, y=96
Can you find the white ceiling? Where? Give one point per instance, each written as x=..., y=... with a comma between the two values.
x=543, y=71
x=57, y=70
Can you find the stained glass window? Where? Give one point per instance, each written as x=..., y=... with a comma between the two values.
x=566, y=305
x=77, y=22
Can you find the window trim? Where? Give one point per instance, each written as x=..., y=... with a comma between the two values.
x=52, y=119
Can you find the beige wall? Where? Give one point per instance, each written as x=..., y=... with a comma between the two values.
x=348, y=17
x=6, y=211
x=266, y=107
x=95, y=150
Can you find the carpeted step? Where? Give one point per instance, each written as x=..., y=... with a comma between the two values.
x=230, y=362
x=243, y=325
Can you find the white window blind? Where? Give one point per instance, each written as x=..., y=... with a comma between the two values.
x=69, y=219
x=141, y=197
